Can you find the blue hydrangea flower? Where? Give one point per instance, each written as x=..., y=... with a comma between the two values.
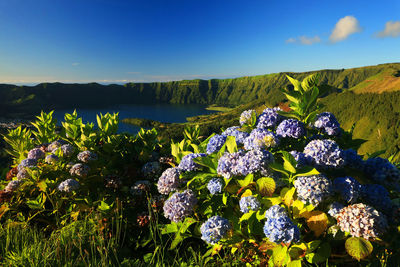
x=54, y=145
x=324, y=154
x=281, y=229
x=50, y=159
x=169, y=181
x=36, y=154
x=377, y=196
x=180, y=205
x=187, y=164
x=275, y=211
x=249, y=203
x=80, y=170
x=335, y=208
x=348, y=188
x=254, y=161
x=352, y=159
x=228, y=164
x=215, y=143
x=260, y=139
x=68, y=186
x=269, y=118
x=23, y=174
x=214, y=229
x=13, y=185
x=245, y=117
x=215, y=186
x=361, y=220
x=383, y=172
x=86, y=156
x=328, y=123
x=301, y=158
x=27, y=163
x=67, y=150
x=151, y=169
x=313, y=189
x=239, y=135
x=291, y=128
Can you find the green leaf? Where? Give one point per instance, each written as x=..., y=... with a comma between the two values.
x=280, y=256
x=247, y=180
x=231, y=144
x=320, y=255
x=310, y=81
x=289, y=162
x=358, y=247
x=247, y=216
x=307, y=171
x=279, y=168
x=296, y=263
x=266, y=186
x=296, y=84
x=291, y=98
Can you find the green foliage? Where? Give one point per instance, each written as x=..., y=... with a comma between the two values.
x=20, y=142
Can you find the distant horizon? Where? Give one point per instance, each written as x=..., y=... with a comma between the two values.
x=102, y=82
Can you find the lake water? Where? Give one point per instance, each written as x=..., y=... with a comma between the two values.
x=159, y=112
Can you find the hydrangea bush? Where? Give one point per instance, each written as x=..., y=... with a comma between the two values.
x=285, y=188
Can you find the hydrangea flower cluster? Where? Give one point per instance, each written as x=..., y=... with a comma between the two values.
x=348, y=188
x=169, y=181
x=36, y=154
x=140, y=187
x=377, y=196
x=327, y=122
x=245, y=117
x=87, y=156
x=27, y=163
x=239, y=135
x=68, y=186
x=291, y=128
x=361, y=220
x=383, y=172
x=151, y=169
x=180, y=205
x=54, y=145
x=13, y=185
x=187, y=164
x=313, y=189
x=254, y=161
x=80, y=170
x=23, y=174
x=269, y=118
x=51, y=159
x=279, y=228
x=324, y=154
x=67, y=150
x=335, y=208
x=228, y=164
x=215, y=143
x=215, y=186
x=259, y=139
x=352, y=159
x=214, y=229
x=248, y=204
x=301, y=158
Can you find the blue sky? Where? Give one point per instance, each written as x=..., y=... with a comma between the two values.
x=112, y=41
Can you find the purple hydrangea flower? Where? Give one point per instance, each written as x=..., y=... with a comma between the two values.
x=86, y=156
x=313, y=189
x=169, y=181
x=352, y=159
x=275, y=212
x=27, y=163
x=248, y=204
x=67, y=150
x=377, y=196
x=361, y=220
x=36, y=154
x=13, y=185
x=260, y=139
x=214, y=229
x=269, y=118
x=187, y=164
x=324, y=154
x=50, y=159
x=239, y=135
x=281, y=230
x=80, y=170
x=228, y=164
x=180, y=205
x=54, y=145
x=215, y=143
x=383, y=172
x=348, y=188
x=301, y=158
x=335, y=208
x=328, y=123
x=215, y=186
x=254, y=161
x=23, y=174
x=291, y=128
x=246, y=116
x=68, y=186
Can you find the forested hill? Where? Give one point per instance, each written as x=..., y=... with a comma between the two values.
x=23, y=100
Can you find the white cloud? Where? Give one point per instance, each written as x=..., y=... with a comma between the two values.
x=344, y=28
x=75, y=64
x=392, y=29
x=304, y=40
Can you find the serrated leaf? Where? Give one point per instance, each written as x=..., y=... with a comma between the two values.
x=266, y=186
x=246, y=181
x=291, y=98
x=289, y=162
x=310, y=81
x=296, y=84
x=358, y=247
x=288, y=196
x=247, y=193
x=317, y=222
